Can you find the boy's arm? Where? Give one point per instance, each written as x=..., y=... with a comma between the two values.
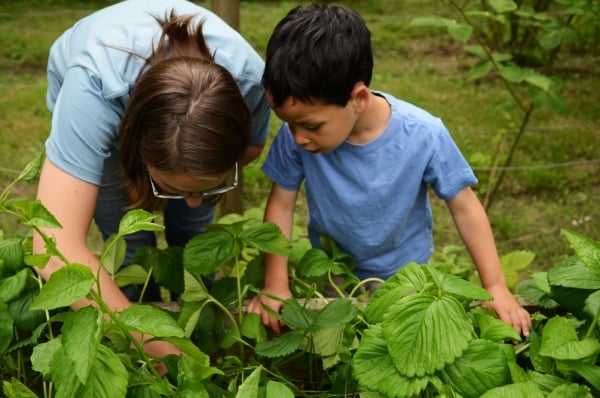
x=279, y=210
x=474, y=228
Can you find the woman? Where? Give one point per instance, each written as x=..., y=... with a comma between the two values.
x=156, y=105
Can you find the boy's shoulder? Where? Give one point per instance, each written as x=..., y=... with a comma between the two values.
x=407, y=111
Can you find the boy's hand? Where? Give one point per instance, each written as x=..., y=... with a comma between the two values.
x=509, y=310
x=256, y=306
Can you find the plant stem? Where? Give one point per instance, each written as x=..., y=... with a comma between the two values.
x=364, y=282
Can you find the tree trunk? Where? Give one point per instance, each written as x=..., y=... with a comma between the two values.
x=229, y=11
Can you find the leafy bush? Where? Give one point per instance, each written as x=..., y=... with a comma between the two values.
x=422, y=333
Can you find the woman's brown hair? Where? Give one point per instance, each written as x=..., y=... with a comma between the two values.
x=185, y=114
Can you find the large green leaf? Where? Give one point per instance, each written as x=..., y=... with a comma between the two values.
x=150, y=320
x=249, y=388
x=6, y=328
x=13, y=286
x=482, y=366
x=314, y=263
x=336, y=312
x=204, y=253
x=81, y=336
x=266, y=237
x=514, y=262
x=374, y=369
x=424, y=333
x=560, y=341
x=34, y=213
x=15, y=389
x=457, y=286
x=296, y=316
x=572, y=272
x=11, y=254
x=409, y=279
x=43, y=353
x=586, y=370
x=494, y=329
x=517, y=390
x=280, y=346
x=460, y=31
x=65, y=286
x=571, y=390
x=276, y=389
x=587, y=249
x=108, y=377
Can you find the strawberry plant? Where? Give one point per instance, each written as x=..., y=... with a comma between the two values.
x=422, y=333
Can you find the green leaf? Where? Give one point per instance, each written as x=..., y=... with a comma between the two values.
x=503, y=6
x=24, y=318
x=249, y=388
x=133, y=274
x=480, y=69
x=457, y=286
x=13, y=286
x=587, y=249
x=6, y=328
x=81, y=335
x=43, y=353
x=514, y=262
x=33, y=213
x=15, y=389
x=32, y=169
x=511, y=72
x=537, y=80
x=573, y=273
x=560, y=341
x=571, y=390
x=460, y=31
x=266, y=237
x=494, y=329
x=65, y=286
x=589, y=372
x=280, y=346
x=530, y=290
x=425, y=333
x=253, y=328
x=276, y=389
x=517, y=390
x=325, y=342
x=113, y=254
x=138, y=220
x=297, y=317
x=108, y=377
x=374, y=369
x=482, y=366
x=314, y=263
x=204, y=253
x=336, y=312
x=409, y=279
x=11, y=254
x=150, y=320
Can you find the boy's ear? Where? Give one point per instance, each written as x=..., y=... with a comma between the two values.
x=360, y=96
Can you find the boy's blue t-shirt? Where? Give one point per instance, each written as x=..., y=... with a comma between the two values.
x=372, y=199
x=93, y=66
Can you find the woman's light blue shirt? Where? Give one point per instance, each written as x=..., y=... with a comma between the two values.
x=93, y=66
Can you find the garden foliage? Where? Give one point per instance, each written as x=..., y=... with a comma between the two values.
x=423, y=333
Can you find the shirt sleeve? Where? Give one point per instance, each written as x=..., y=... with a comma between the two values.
x=284, y=162
x=447, y=171
x=84, y=126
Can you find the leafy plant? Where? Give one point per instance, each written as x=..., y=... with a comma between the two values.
x=518, y=43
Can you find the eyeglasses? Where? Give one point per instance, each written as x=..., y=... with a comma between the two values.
x=203, y=195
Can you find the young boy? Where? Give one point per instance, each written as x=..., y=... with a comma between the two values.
x=367, y=160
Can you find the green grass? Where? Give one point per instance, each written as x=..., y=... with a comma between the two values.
x=422, y=66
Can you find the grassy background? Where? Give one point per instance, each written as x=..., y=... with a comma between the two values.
x=421, y=66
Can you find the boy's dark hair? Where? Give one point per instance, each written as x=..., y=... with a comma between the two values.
x=318, y=52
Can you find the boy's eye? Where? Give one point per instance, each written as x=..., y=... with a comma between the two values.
x=312, y=128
